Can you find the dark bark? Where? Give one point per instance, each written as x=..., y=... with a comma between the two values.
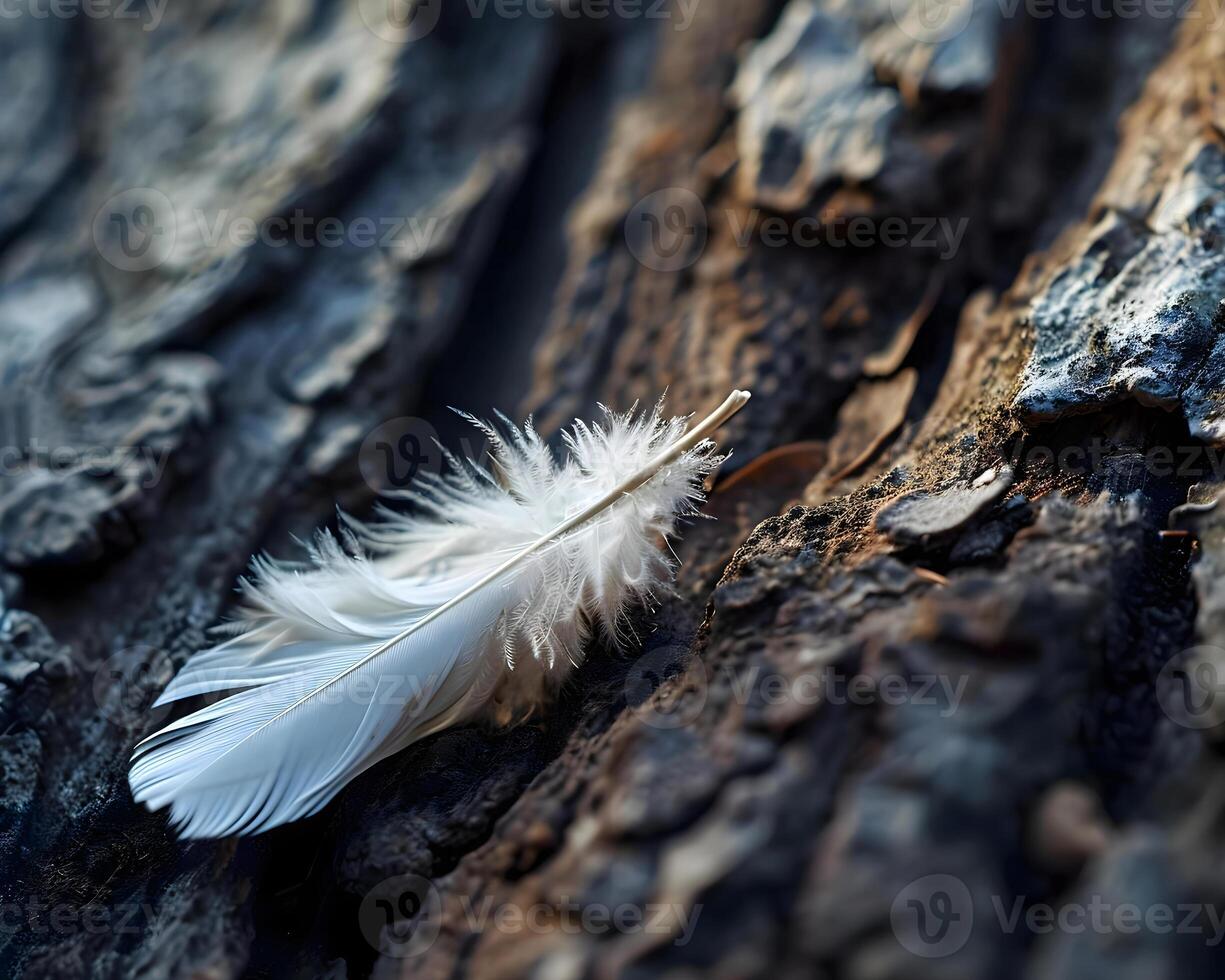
x=957, y=467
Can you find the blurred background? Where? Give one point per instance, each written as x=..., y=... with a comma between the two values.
x=914, y=683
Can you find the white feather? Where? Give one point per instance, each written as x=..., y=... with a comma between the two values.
x=476, y=605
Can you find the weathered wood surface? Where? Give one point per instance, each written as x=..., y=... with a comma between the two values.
x=961, y=450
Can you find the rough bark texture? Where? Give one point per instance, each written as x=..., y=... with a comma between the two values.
x=954, y=476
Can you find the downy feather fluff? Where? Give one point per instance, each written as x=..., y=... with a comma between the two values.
x=476, y=605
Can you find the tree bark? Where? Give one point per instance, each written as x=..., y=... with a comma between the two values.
x=944, y=664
